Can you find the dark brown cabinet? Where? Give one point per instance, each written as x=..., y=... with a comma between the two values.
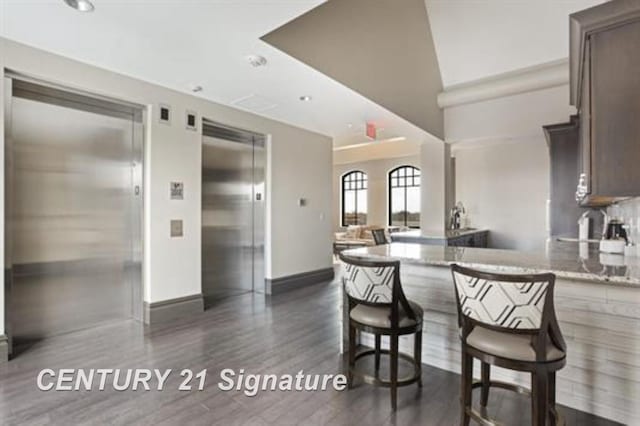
x=564, y=144
x=456, y=238
x=478, y=239
x=605, y=87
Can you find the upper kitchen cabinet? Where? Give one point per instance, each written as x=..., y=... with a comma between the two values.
x=563, y=143
x=605, y=88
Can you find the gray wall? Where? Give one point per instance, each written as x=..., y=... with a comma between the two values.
x=377, y=174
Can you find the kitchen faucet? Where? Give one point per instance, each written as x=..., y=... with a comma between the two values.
x=455, y=215
x=583, y=224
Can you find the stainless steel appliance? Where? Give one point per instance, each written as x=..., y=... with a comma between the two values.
x=233, y=211
x=73, y=210
x=615, y=230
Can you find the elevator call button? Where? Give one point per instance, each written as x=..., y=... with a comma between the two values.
x=176, y=228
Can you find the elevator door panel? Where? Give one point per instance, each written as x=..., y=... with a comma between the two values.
x=71, y=218
x=227, y=218
x=259, y=213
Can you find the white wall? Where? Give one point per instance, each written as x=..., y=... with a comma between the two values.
x=299, y=165
x=502, y=163
x=377, y=196
x=504, y=188
x=435, y=191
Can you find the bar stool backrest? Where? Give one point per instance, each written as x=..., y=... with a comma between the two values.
x=375, y=283
x=505, y=302
x=379, y=236
x=371, y=284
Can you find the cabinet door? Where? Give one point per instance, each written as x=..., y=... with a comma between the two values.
x=470, y=241
x=564, y=152
x=584, y=150
x=615, y=111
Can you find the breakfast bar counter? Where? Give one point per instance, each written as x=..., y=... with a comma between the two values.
x=573, y=261
x=597, y=298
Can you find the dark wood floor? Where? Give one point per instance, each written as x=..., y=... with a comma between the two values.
x=284, y=334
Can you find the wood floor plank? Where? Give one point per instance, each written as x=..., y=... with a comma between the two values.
x=297, y=330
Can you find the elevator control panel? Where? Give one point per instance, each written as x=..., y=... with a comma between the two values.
x=191, y=121
x=176, y=228
x=165, y=114
x=176, y=190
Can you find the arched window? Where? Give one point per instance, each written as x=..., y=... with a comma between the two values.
x=404, y=197
x=354, y=198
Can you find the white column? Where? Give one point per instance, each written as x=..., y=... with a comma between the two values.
x=436, y=185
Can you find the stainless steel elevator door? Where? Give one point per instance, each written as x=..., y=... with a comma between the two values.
x=259, y=212
x=232, y=218
x=71, y=217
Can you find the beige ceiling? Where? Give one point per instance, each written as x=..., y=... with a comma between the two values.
x=383, y=50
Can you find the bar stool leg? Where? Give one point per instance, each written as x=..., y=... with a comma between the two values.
x=465, y=385
x=417, y=355
x=394, y=371
x=552, y=396
x=378, y=343
x=486, y=378
x=352, y=354
x=539, y=398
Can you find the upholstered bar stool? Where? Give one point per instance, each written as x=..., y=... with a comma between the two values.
x=509, y=321
x=378, y=305
x=380, y=236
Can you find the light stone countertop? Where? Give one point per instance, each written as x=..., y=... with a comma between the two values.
x=569, y=260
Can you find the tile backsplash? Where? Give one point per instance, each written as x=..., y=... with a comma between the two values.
x=629, y=212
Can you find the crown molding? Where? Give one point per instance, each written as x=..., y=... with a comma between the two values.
x=538, y=77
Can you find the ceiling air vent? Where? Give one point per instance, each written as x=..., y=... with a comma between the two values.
x=254, y=103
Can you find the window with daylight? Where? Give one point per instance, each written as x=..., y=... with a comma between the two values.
x=354, y=198
x=404, y=197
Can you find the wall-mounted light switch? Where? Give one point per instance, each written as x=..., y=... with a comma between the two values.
x=302, y=202
x=176, y=228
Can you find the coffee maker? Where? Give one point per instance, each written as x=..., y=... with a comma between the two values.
x=614, y=237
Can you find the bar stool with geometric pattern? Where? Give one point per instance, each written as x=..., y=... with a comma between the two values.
x=378, y=305
x=509, y=321
x=380, y=236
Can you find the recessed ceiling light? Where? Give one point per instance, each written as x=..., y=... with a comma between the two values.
x=80, y=5
x=256, y=60
x=305, y=98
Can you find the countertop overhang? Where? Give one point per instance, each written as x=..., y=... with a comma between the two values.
x=574, y=261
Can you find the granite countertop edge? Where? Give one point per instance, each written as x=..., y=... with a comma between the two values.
x=568, y=275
